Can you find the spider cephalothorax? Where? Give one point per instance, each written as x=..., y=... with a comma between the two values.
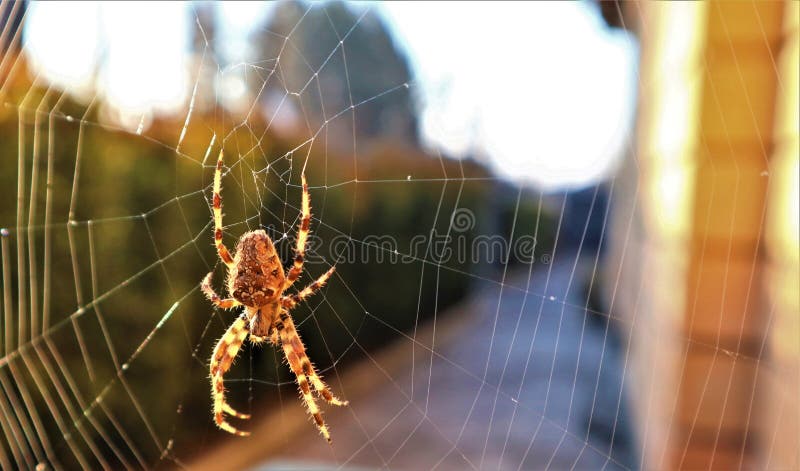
x=256, y=281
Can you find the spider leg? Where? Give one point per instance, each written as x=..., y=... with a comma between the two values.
x=274, y=336
x=292, y=300
x=221, y=360
x=300, y=365
x=223, y=252
x=212, y=296
x=302, y=236
x=320, y=387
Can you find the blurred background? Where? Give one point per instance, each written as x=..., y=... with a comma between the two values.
x=566, y=234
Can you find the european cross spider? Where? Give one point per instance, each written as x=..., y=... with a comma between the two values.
x=256, y=281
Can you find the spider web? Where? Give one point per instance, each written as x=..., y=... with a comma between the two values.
x=524, y=359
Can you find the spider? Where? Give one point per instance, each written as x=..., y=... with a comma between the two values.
x=256, y=281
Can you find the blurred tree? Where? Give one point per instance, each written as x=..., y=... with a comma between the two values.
x=205, y=58
x=308, y=77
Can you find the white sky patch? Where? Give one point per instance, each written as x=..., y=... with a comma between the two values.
x=237, y=21
x=545, y=89
x=62, y=41
x=146, y=65
x=142, y=45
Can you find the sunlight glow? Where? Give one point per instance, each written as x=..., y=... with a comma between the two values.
x=669, y=125
x=65, y=52
x=140, y=72
x=146, y=72
x=554, y=106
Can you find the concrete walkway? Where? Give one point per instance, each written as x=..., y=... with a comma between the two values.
x=520, y=382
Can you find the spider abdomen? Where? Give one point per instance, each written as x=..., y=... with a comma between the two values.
x=256, y=278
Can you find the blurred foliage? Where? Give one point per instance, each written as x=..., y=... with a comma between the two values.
x=140, y=241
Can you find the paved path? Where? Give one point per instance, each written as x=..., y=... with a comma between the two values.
x=557, y=405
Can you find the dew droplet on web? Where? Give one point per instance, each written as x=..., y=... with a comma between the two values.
x=408, y=177
x=552, y=298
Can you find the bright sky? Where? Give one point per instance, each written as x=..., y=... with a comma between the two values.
x=544, y=90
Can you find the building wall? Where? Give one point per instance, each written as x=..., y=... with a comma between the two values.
x=702, y=258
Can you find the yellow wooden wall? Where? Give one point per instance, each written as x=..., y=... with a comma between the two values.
x=702, y=242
